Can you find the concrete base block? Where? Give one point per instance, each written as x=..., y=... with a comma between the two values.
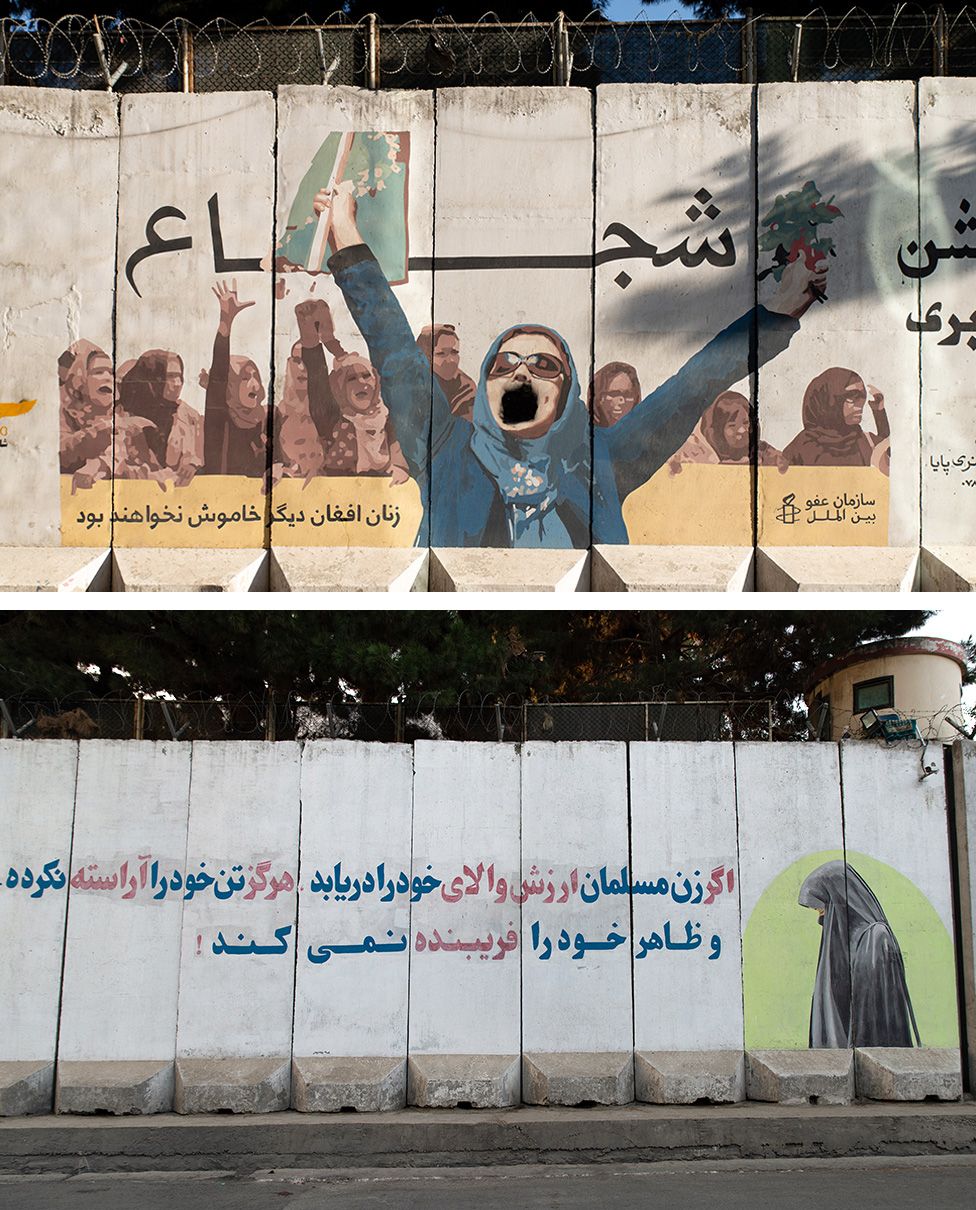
x=687, y=1077
x=800, y=1077
x=369, y=1084
x=55, y=569
x=239, y=1085
x=671, y=569
x=347, y=569
x=463, y=1081
x=594, y=1078
x=26, y=1087
x=509, y=571
x=165, y=569
x=836, y=569
x=117, y=1086
x=907, y=1073
x=948, y=569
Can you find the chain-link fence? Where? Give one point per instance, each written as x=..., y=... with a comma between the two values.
x=491, y=720
x=133, y=56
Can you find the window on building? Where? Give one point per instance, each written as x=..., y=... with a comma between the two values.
x=875, y=694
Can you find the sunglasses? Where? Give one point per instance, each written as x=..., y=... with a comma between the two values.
x=539, y=365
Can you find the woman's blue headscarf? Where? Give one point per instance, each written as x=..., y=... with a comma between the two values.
x=529, y=471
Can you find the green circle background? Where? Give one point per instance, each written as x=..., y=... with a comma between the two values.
x=781, y=945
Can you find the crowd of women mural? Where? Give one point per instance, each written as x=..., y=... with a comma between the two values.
x=504, y=368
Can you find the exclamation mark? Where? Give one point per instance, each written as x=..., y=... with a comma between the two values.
x=199, y=943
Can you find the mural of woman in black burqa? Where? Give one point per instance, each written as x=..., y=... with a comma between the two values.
x=860, y=996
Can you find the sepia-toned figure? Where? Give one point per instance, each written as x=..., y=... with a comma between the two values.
x=235, y=418
x=150, y=389
x=722, y=436
x=833, y=407
x=614, y=391
x=298, y=449
x=345, y=403
x=87, y=389
x=441, y=345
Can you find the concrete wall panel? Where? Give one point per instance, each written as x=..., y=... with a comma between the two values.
x=122, y=960
x=896, y=839
x=355, y=880
x=854, y=145
x=575, y=844
x=351, y=473
x=203, y=487
x=57, y=247
x=466, y=827
x=653, y=317
x=34, y=866
x=514, y=189
x=946, y=206
x=683, y=830
x=789, y=825
x=243, y=834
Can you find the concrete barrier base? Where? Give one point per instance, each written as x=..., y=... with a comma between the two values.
x=509, y=571
x=347, y=569
x=166, y=569
x=366, y=1084
x=907, y=1073
x=116, y=1086
x=463, y=1081
x=595, y=1078
x=689, y=1077
x=239, y=1085
x=948, y=569
x=55, y=569
x=800, y=1077
x=836, y=569
x=26, y=1087
x=672, y=569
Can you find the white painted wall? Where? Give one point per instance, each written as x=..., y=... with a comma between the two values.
x=857, y=142
x=243, y=828
x=946, y=109
x=466, y=828
x=35, y=857
x=356, y=809
x=657, y=145
x=179, y=150
x=514, y=178
x=683, y=826
x=574, y=818
x=122, y=961
x=58, y=194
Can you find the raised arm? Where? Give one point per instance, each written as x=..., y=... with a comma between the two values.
x=216, y=410
x=322, y=406
x=642, y=441
x=410, y=390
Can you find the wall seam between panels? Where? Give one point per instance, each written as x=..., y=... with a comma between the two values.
x=64, y=942
x=413, y=799
x=593, y=218
x=917, y=121
x=843, y=839
x=738, y=884
x=298, y=900
x=272, y=377
x=754, y=330
x=183, y=901
x=115, y=351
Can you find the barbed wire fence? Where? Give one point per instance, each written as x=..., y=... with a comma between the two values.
x=491, y=719
x=131, y=56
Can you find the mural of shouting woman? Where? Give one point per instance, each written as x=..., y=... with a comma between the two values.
x=236, y=420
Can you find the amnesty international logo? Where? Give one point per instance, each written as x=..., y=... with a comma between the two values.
x=789, y=511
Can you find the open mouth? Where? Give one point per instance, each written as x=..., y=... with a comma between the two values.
x=519, y=404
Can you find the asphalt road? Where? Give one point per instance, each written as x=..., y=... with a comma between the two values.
x=883, y=1184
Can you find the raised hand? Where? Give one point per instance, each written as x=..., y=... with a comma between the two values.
x=230, y=305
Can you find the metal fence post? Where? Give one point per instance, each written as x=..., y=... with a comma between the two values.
x=186, y=55
x=372, y=52
x=749, y=67
x=769, y=707
x=498, y=722
x=138, y=718
x=270, y=719
x=940, y=48
x=561, y=58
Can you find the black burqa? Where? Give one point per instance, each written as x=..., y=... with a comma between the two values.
x=860, y=997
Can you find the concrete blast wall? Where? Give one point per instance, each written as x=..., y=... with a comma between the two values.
x=496, y=318
x=221, y=909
